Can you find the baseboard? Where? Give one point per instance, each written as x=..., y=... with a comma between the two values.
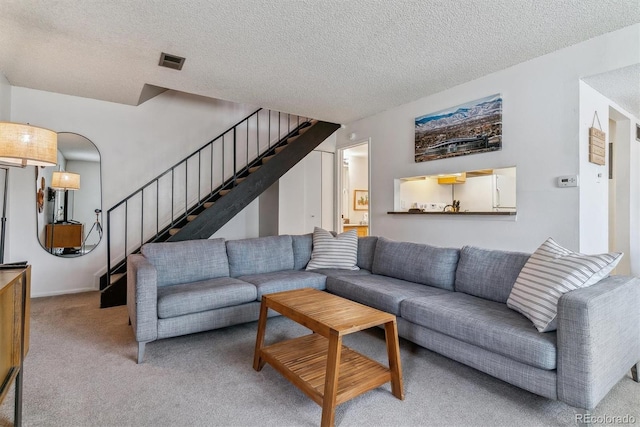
x=64, y=292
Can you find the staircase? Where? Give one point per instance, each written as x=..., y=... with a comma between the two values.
x=198, y=195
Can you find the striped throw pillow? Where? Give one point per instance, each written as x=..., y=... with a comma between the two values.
x=550, y=272
x=328, y=251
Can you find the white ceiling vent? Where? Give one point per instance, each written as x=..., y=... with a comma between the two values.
x=171, y=61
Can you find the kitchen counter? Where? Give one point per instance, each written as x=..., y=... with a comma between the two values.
x=361, y=229
x=452, y=213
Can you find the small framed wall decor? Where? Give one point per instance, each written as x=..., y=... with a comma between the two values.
x=597, y=138
x=360, y=200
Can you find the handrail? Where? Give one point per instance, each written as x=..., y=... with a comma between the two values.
x=195, y=204
x=185, y=159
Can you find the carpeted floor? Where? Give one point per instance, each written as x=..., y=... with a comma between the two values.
x=81, y=371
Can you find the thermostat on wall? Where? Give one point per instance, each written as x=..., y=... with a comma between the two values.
x=567, y=181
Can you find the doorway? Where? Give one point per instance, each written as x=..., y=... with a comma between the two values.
x=620, y=188
x=353, y=201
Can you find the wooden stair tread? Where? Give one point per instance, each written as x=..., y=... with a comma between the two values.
x=224, y=192
x=173, y=231
x=207, y=205
x=293, y=139
x=279, y=149
x=266, y=159
x=239, y=180
x=253, y=169
x=115, y=277
x=191, y=217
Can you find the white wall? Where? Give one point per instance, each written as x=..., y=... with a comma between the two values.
x=88, y=198
x=540, y=137
x=596, y=217
x=594, y=179
x=136, y=144
x=5, y=99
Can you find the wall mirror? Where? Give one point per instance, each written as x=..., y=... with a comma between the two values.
x=69, y=198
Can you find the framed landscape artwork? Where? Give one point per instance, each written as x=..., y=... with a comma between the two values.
x=473, y=127
x=360, y=200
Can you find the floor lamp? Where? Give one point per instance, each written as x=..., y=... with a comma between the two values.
x=24, y=145
x=63, y=181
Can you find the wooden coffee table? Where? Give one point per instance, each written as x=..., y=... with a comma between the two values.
x=318, y=364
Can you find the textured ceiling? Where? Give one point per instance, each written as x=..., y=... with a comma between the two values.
x=335, y=60
x=622, y=86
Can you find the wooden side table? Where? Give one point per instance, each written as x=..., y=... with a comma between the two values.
x=318, y=364
x=14, y=332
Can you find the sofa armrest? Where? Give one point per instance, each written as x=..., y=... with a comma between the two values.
x=598, y=339
x=142, y=297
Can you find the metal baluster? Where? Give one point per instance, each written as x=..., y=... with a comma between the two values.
x=157, y=207
x=211, y=165
x=172, y=187
x=235, y=152
x=223, y=159
x=126, y=230
x=257, y=136
x=269, y=138
x=247, y=150
x=186, y=187
x=142, y=219
x=108, y=247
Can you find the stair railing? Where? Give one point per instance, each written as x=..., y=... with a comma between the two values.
x=150, y=212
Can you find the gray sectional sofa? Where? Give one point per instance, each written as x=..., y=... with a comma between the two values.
x=451, y=301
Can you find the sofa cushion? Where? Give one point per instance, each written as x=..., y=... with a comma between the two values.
x=279, y=281
x=205, y=295
x=488, y=274
x=487, y=324
x=260, y=255
x=336, y=272
x=330, y=251
x=187, y=261
x=366, y=251
x=381, y=292
x=550, y=272
x=302, y=245
x=419, y=263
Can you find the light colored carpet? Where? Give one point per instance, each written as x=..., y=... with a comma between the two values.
x=81, y=371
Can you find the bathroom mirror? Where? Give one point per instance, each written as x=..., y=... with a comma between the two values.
x=69, y=198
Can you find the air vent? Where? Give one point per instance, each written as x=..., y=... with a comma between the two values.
x=171, y=61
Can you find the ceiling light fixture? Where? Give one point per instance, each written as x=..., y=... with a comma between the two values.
x=25, y=145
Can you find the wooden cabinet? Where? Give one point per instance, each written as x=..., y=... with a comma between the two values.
x=14, y=332
x=459, y=178
x=362, y=230
x=63, y=236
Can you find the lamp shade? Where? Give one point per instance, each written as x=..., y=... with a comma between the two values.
x=65, y=181
x=24, y=145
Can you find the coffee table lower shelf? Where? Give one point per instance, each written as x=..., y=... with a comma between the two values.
x=303, y=361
